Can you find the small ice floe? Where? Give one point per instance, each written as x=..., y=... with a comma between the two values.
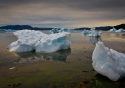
x=112, y=30
x=64, y=30
x=85, y=31
x=94, y=32
x=120, y=30
x=9, y=30
x=108, y=62
x=30, y=40
x=12, y=68
x=55, y=30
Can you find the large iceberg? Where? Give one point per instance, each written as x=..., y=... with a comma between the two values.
x=108, y=62
x=30, y=40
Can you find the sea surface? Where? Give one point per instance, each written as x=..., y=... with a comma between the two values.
x=71, y=68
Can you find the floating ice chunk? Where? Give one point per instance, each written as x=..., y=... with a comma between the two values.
x=94, y=32
x=30, y=40
x=55, y=30
x=112, y=30
x=64, y=30
x=85, y=31
x=9, y=30
x=120, y=30
x=108, y=62
x=59, y=30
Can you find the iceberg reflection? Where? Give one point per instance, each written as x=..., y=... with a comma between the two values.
x=29, y=57
x=95, y=39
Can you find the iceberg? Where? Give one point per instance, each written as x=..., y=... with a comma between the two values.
x=64, y=30
x=95, y=39
x=55, y=30
x=30, y=40
x=108, y=62
x=9, y=30
x=59, y=30
x=85, y=31
x=112, y=30
x=94, y=32
x=120, y=30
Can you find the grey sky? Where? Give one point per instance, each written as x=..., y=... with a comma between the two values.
x=60, y=13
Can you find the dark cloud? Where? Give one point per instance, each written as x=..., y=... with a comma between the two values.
x=60, y=12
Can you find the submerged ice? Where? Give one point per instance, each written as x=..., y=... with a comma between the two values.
x=30, y=40
x=108, y=62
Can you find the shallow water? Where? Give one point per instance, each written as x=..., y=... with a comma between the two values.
x=70, y=68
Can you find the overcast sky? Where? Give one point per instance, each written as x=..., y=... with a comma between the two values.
x=62, y=13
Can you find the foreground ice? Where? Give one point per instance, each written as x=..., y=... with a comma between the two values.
x=94, y=32
x=30, y=40
x=108, y=62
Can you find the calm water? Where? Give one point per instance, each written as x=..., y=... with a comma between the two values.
x=70, y=68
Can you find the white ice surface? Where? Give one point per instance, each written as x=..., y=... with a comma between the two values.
x=29, y=40
x=108, y=62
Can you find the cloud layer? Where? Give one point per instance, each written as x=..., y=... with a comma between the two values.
x=60, y=13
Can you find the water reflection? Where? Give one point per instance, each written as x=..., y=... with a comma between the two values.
x=117, y=35
x=33, y=57
x=103, y=82
x=95, y=39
